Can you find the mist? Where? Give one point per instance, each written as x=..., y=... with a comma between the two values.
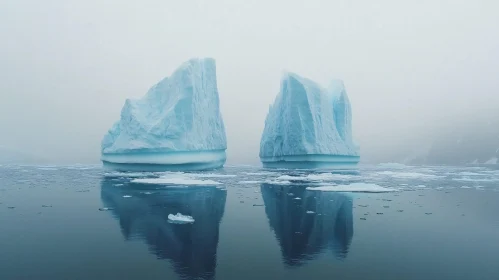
x=410, y=68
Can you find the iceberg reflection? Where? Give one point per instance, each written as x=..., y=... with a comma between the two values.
x=142, y=211
x=306, y=222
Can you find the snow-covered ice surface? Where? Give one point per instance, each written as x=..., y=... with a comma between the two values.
x=309, y=127
x=176, y=126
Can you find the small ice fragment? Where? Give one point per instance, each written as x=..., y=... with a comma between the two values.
x=310, y=212
x=180, y=219
x=105, y=209
x=127, y=196
x=118, y=185
x=297, y=198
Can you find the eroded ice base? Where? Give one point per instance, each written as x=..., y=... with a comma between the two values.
x=165, y=161
x=334, y=162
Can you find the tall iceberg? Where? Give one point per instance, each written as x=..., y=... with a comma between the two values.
x=177, y=125
x=309, y=127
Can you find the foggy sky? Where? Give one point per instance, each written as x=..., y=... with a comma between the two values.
x=66, y=67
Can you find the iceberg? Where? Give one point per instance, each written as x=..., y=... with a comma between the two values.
x=176, y=126
x=309, y=127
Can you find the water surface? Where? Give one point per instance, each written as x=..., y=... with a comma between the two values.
x=81, y=222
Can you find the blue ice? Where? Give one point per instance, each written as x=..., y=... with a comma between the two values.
x=309, y=127
x=177, y=125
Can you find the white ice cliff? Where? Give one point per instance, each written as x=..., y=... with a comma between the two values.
x=309, y=127
x=177, y=125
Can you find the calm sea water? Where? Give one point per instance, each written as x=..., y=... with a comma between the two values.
x=81, y=222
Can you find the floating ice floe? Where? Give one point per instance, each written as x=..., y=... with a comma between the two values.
x=128, y=174
x=354, y=187
x=176, y=181
x=468, y=179
x=210, y=175
x=318, y=177
x=471, y=174
x=278, y=182
x=259, y=173
x=180, y=219
x=249, y=182
x=409, y=175
x=47, y=168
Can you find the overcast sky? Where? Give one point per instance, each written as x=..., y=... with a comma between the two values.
x=67, y=66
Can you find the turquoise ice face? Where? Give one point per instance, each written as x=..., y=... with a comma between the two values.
x=309, y=126
x=176, y=125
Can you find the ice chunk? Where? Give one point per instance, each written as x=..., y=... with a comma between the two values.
x=354, y=187
x=180, y=219
x=177, y=125
x=309, y=127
